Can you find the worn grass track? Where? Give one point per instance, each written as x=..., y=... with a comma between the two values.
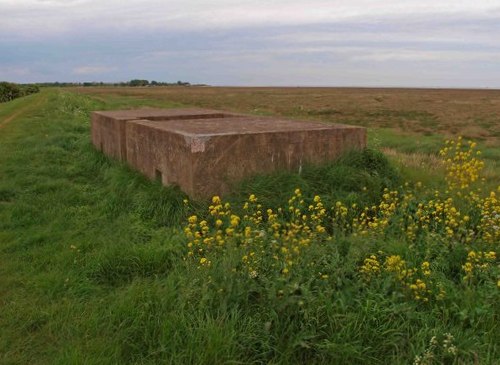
x=18, y=109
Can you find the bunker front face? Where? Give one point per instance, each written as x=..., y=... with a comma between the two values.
x=206, y=151
x=109, y=132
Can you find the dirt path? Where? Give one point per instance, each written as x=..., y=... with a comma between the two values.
x=23, y=110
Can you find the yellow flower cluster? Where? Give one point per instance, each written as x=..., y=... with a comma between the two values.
x=478, y=262
x=340, y=218
x=411, y=280
x=403, y=212
x=375, y=219
x=277, y=240
x=420, y=291
x=438, y=215
x=281, y=235
x=490, y=218
x=204, y=236
x=461, y=163
x=371, y=267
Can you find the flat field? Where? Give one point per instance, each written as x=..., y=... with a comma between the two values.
x=387, y=256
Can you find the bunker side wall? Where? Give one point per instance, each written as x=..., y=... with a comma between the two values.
x=108, y=135
x=220, y=161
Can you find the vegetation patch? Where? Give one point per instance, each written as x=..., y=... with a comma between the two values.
x=10, y=91
x=342, y=263
x=424, y=248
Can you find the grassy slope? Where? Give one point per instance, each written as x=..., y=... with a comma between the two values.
x=56, y=193
x=91, y=270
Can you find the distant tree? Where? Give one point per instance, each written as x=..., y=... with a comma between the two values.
x=138, y=82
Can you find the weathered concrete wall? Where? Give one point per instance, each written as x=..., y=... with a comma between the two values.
x=250, y=154
x=205, y=152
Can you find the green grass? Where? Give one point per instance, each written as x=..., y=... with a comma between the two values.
x=92, y=269
x=357, y=177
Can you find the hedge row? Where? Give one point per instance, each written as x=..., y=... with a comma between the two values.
x=10, y=91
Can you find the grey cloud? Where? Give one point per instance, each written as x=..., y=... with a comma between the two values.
x=418, y=43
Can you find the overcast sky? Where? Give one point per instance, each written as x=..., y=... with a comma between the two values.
x=429, y=43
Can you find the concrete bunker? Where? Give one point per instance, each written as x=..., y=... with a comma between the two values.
x=204, y=151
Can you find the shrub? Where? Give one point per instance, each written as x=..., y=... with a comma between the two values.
x=9, y=91
x=30, y=89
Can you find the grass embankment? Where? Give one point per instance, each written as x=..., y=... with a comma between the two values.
x=95, y=263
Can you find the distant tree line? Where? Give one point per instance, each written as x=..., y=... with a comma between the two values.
x=133, y=83
x=138, y=82
x=10, y=91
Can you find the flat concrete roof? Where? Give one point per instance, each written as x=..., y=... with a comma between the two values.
x=237, y=125
x=159, y=114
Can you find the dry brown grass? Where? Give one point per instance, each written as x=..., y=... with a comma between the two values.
x=415, y=159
